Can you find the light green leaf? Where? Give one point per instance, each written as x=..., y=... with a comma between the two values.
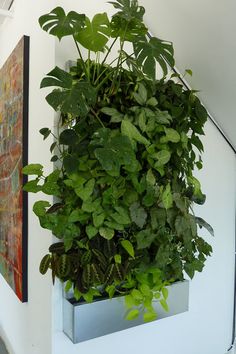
x=86, y=191
x=107, y=233
x=129, y=301
x=91, y=231
x=162, y=157
x=128, y=129
x=167, y=198
x=165, y=293
x=117, y=258
x=95, y=34
x=172, y=135
x=127, y=245
x=98, y=219
x=40, y=206
x=164, y=305
x=33, y=169
x=132, y=315
x=149, y=316
x=32, y=186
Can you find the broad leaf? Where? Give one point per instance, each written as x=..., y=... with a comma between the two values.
x=129, y=9
x=128, y=129
x=116, y=152
x=68, y=137
x=149, y=316
x=75, y=99
x=59, y=24
x=172, y=135
x=85, y=191
x=95, y=35
x=129, y=31
x=152, y=52
x=145, y=238
x=138, y=214
x=107, y=233
x=33, y=169
x=162, y=157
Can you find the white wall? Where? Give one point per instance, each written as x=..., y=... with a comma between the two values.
x=207, y=327
x=27, y=327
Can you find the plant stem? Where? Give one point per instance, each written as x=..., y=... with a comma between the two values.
x=99, y=120
x=109, y=51
x=81, y=57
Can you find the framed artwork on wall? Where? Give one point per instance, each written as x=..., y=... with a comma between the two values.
x=14, y=91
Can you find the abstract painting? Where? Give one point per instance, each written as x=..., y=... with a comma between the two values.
x=14, y=83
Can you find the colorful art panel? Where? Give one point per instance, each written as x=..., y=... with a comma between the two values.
x=14, y=83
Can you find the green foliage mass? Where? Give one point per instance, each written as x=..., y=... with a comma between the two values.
x=128, y=147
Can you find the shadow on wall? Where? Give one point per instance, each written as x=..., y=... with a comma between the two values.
x=3, y=349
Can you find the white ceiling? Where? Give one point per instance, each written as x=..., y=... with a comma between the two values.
x=204, y=36
x=5, y=5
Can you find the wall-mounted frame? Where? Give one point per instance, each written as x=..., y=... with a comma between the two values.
x=14, y=92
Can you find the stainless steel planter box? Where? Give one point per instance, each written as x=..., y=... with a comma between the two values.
x=82, y=321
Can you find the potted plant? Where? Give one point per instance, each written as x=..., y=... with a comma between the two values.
x=125, y=152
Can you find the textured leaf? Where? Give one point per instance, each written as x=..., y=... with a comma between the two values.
x=138, y=214
x=128, y=129
x=85, y=191
x=95, y=34
x=107, y=233
x=59, y=24
x=162, y=157
x=91, y=231
x=172, y=135
x=152, y=52
x=45, y=264
x=145, y=238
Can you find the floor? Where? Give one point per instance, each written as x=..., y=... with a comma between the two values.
x=3, y=349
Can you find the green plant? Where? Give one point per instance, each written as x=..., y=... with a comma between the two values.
x=124, y=180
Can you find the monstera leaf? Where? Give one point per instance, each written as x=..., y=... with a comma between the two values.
x=75, y=99
x=152, y=52
x=96, y=33
x=129, y=9
x=59, y=24
x=127, y=30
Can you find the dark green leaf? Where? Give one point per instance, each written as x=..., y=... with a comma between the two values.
x=152, y=52
x=138, y=214
x=68, y=137
x=45, y=132
x=107, y=233
x=59, y=24
x=32, y=186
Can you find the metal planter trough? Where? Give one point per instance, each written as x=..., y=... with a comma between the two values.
x=83, y=321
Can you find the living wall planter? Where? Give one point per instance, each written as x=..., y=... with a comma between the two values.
x=83, y=321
